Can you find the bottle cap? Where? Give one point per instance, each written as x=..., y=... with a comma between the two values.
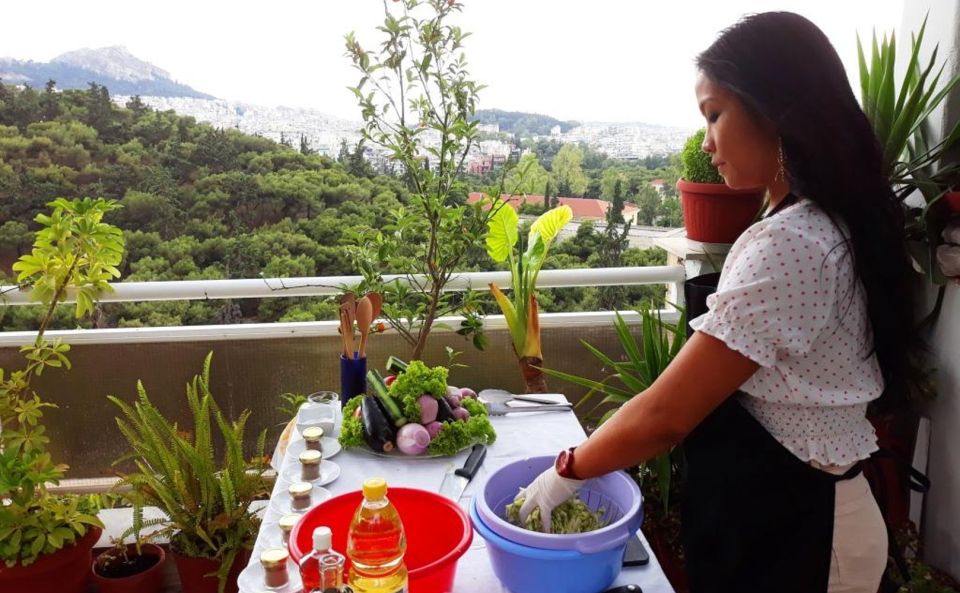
x=311, y=457
x=273, y=557
x=312, y=433
x=374, y=488
x=322, y=538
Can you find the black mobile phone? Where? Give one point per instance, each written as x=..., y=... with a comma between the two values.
x=635, y=554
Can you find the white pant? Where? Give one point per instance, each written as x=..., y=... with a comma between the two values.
x=859, y=539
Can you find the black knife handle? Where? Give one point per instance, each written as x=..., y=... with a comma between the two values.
x=625, y=589
x=473, y=462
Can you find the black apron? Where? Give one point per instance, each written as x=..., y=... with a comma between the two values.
x=754, y=517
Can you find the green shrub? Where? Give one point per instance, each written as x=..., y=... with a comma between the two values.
x=696, y=163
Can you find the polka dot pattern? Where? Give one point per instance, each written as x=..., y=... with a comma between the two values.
x=789, y=299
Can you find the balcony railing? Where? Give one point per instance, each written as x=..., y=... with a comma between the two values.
x=254, y=363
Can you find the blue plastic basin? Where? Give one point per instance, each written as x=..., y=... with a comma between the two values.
x=524, y=569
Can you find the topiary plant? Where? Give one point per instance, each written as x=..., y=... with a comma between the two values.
x=696, y=163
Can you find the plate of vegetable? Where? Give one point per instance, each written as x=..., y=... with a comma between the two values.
x=414, y=414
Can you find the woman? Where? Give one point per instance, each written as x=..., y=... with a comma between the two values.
x=810, y=322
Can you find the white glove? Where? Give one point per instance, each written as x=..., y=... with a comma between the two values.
x=547, y=492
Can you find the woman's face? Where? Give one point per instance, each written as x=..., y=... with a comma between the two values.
x=742, y=148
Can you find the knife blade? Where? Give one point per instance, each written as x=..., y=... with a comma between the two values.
x=455, y=482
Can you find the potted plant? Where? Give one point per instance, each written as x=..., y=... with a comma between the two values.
x=525, y=260
x=635, y=370
x=899, y=117
x=206, y=497
x=46, y=539
x=130, y=568
x=712, y=212
x=413, y=85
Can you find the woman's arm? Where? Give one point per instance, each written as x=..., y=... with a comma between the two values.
x=704, y=373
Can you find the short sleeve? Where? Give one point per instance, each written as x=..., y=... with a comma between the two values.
x=775, y=296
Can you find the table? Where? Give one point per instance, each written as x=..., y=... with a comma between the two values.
x=518, y=436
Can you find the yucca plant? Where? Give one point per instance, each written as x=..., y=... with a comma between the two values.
x=899, y=115
x=525, y=260
x=640, y=365
x=206, y=497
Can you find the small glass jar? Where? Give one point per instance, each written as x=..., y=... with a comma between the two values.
x=274, y=563
x=300, y=496
x=310, y=465
x=286, y=524
x=311, y=438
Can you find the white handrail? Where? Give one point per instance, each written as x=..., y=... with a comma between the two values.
x=185, y=290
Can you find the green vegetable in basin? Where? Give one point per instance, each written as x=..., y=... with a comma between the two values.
x=573, y=516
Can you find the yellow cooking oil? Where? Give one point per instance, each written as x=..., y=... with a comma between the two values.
x=376, y=543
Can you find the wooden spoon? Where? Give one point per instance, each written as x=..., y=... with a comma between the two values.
x=364, y=319
x=346, y=316
x=346, y=334
x=376, y=299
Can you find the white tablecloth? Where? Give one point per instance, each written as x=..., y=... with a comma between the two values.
x=518, y=436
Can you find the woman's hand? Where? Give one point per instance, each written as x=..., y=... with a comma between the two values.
x=547, y=492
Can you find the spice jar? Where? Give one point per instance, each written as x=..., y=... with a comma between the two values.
x=286, y=524
x=300, y=495
x=311, y=437
x=310, y=465
x=274, y=563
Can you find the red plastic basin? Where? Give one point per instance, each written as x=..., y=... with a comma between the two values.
x=437, y=529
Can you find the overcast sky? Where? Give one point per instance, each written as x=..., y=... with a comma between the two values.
x=599, y=60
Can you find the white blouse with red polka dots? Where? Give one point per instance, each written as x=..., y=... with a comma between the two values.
x=789, y=299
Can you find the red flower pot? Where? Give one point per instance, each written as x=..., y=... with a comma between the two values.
x=193, y=571
x=714, y=213
x=149, y=580
x=64, y=571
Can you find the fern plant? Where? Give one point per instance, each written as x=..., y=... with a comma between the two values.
x=206, y=497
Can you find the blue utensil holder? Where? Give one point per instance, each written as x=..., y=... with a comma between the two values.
x=353, y=377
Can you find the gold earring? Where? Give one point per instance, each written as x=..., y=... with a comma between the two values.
x=781, y=172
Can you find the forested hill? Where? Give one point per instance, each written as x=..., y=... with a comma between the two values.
x=204, y=203
x=523, y=124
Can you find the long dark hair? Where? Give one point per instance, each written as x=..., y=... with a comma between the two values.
x=786, y=71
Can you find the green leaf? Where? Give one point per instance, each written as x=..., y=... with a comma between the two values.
x=502, y=232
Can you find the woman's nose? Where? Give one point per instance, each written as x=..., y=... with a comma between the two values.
x=708, y=145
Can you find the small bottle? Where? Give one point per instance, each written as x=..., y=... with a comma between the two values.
x=376, y=543
x=274, y=563
x=312, y=437
x=310, y=465
x=322, y=569
x=300, y=496
x=286, y=524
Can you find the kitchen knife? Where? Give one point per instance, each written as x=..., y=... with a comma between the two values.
x=455, y=482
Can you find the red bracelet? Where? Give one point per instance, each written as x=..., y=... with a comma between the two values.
x=564, y=464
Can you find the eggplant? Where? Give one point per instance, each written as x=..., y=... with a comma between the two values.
x=377, y=430
x=444, y=411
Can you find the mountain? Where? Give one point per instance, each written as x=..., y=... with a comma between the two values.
x=113, y=67
x=524, y=124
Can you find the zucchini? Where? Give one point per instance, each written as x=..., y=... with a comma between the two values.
x=375, y=384
x=395, y=365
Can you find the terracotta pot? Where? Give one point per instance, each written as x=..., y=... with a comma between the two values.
x=714, y=213
x=148, y=581
x=192, y=573
x=64, y=571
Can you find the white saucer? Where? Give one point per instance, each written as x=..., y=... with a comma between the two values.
x=281, y=501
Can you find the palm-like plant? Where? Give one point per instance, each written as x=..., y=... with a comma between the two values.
x=521, y=312
x=205, y=498
x=899, y=118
